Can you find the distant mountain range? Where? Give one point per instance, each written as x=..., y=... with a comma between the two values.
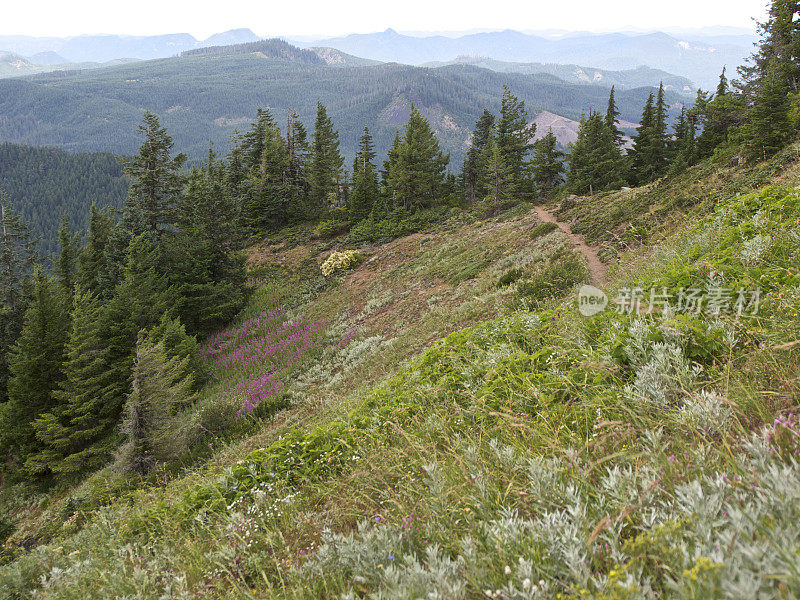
x=697, y=55
x=103, y=48
x=631, y=78
x=700, y=57
x=208, y=94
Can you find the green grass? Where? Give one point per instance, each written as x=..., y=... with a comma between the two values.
x=525, y=454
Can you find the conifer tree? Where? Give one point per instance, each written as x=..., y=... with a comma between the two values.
x=152, y=426
x=389, y=174
x=595, y=163
x=682, y=146
x=297, y=179
x=17, y=259
x=718, y=115
x=547, y=165
x=769, y=128
x=474, y=173
x=266, y=205
x=326, y=164
x=365, y=190
x=643, y=159
x=156, y=181
x=772, y=72
x=91, y=258
x=417, y=173
x=67, y=264
x=612, y=116
x=35, y=364
x=499, y=176
x=139, y=301
x=78, y=435
x=514, y=141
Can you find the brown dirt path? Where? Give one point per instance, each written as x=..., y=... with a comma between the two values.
x=597, y=268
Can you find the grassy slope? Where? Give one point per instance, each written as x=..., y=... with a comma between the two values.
x=531, y=453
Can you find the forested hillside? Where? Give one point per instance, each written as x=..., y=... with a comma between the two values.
x=208, y=97
x=43, y=184
x=281, y=373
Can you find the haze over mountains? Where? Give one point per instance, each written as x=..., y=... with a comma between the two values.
x=208, y=94
x=697, y=55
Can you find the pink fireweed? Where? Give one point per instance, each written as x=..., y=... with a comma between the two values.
x=255, y=391
x=258, y=352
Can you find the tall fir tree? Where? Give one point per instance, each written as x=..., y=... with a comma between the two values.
x=595, y=162
x=514, y=141
x=17, y=259
x=365, y=191
x=418, y=173
x=547, y=165
x=67, y=264
x=156, y=180
x=612, y=117
x=298, y=188
x=160, y=389
x=78, y=433
x=91, y=258
x=772, y=72
x=327, y=165
x=474, y=173
x=35, y=364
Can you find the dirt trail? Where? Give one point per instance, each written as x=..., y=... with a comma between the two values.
x=597, y=268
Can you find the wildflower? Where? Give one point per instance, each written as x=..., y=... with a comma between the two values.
x=526, y=584
x=507, y=570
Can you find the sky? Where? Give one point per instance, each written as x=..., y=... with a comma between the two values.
x=308, y=18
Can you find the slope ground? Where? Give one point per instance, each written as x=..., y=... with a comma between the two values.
x=458, y=430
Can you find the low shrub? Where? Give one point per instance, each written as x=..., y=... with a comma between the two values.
x=331, y=228
x=555, y=279
x=341, y=261
x=542, y=229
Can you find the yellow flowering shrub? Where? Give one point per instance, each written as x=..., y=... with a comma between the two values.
x=340, y=261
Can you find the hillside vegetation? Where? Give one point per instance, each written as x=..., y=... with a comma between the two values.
x=212, y=93
x=450, y=427
x=44, y=184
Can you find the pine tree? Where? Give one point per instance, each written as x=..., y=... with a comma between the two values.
x=418, y=171
x=772, y=72
x=612, y=116
x=152, y=427
x=67, y=264
x=78, y=435
x=326, y=164
x=206, y=272
x=769, y=128
x=514, y=141
x=139, y=301
x=718, y=116
x=17, y=259
x=643, y=154
x=156, y=181
x=297, y=181
x=547, y=165
x=474, y=173
x=683, y=147
x=388, y=175
x=499, y=176
x=365, y=190
x=595, y=163
x=35, y=363
x=91, y=258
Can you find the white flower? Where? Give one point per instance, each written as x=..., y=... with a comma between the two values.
x=526, y=584
x=507, y=570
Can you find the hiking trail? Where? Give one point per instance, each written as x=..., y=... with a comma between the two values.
x=597, y=268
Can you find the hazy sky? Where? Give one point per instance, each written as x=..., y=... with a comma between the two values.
x=336, y=17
